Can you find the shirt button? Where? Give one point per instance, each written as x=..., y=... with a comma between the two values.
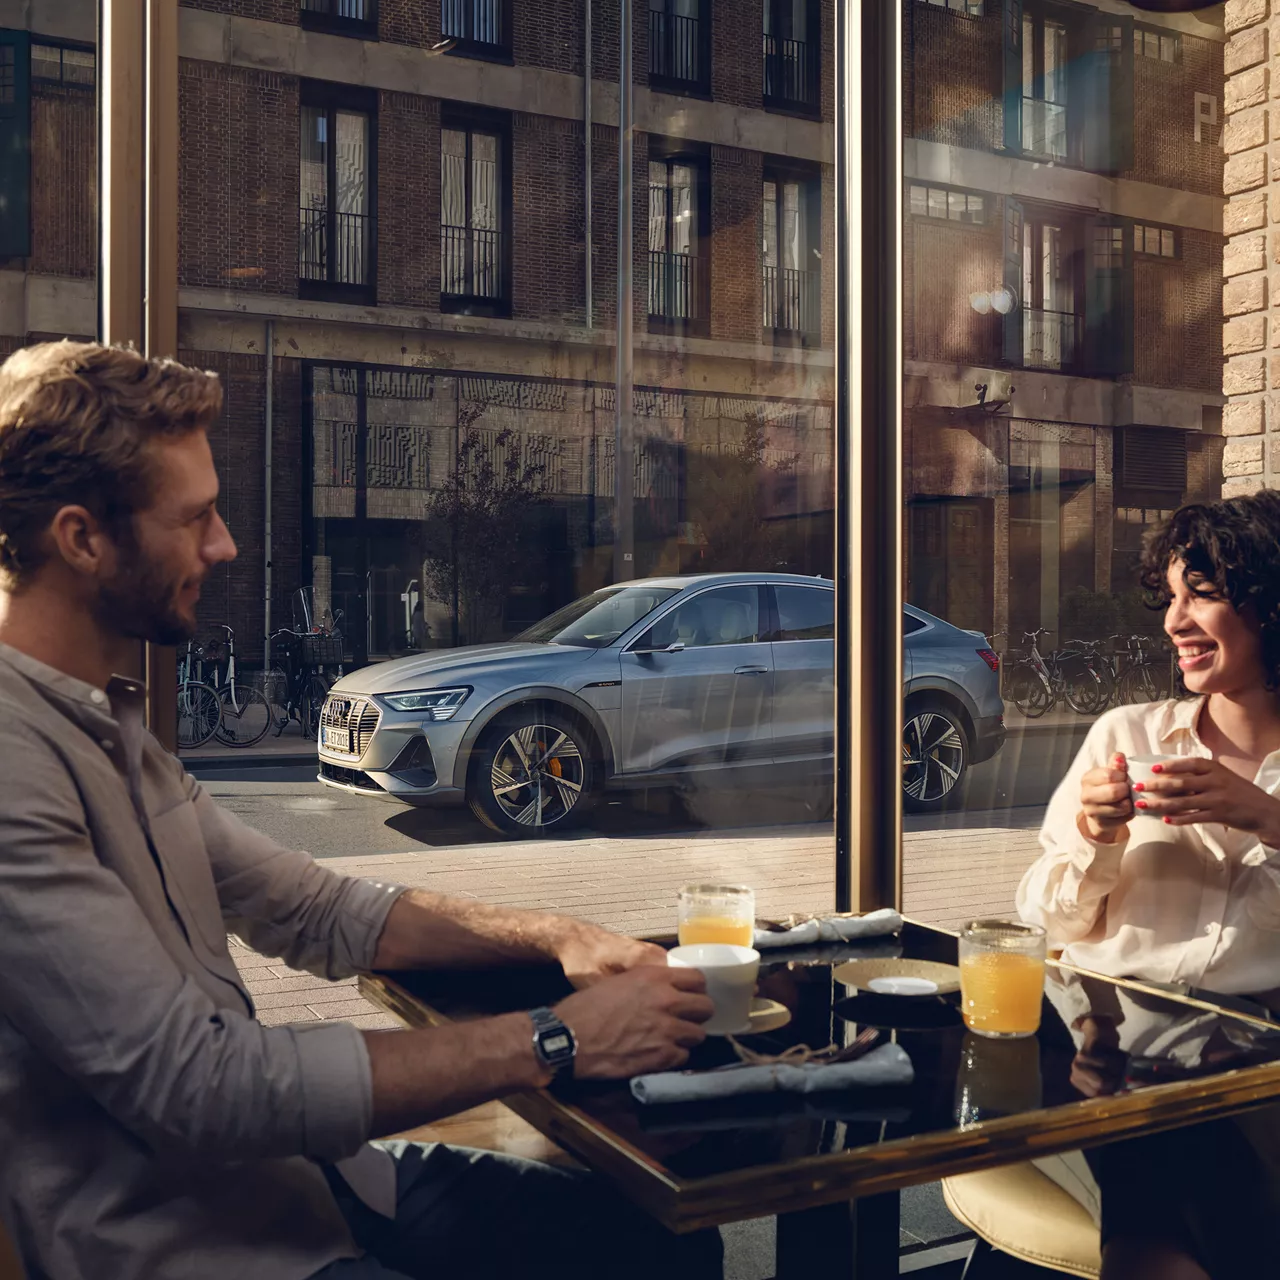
x=107, y=744
x=1210, y=928
x=98, y=696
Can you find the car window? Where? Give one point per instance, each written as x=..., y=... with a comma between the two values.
x=725, y=615
x=805, y=613
x=911, y=623
x=598, y=620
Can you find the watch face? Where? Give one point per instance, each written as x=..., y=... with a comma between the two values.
x=556, y=1043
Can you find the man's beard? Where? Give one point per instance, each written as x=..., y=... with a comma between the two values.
x=139, y=602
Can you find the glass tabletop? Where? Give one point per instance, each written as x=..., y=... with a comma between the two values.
x=1098, y=1040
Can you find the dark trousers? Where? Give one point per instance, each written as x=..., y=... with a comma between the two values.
x=462, y=1212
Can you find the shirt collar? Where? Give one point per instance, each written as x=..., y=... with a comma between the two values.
x=1178, y=717
x=77, y=698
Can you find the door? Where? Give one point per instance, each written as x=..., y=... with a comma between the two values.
x=803, y=672
x=697, y=687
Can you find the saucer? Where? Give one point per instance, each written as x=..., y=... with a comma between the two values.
x=925, y=977
x=766, y=1015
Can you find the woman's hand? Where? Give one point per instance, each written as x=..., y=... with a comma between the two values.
x=1194, y=789
x=1105, y=804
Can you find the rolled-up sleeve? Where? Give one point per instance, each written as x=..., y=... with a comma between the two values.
x=1066, y=888
x=89, y=984
x=283, y=902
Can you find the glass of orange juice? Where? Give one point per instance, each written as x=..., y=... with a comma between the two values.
x=716, y=913
x=1001, y=977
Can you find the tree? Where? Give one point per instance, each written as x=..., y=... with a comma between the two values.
x=728, y=494
x=476, y=547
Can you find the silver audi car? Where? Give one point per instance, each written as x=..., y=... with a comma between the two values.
x=681, y=681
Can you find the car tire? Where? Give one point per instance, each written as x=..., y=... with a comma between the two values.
x=935, y=756
x=533, y=773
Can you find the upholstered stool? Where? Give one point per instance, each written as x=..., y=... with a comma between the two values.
x=1019, y=1211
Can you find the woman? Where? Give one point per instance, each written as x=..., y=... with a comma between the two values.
x=1180, y=881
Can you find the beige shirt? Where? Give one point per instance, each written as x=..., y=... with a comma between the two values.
x=149, y=1126
x=1196, y=905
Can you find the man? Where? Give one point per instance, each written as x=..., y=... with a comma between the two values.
x=149, y=1126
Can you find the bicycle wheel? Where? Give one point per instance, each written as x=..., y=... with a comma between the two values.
x=317, y=690
x=1029, y=692
x=1084, y=691
x=246, y=716
x=1143, y=683
x=199, y=714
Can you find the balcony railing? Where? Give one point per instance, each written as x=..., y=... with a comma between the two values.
x=675, y=49
x=791, y=300
x=475, y=22
x=471, y=263
x=1044, y=128
x=1050, y=339
x=334, y=247
x=354, y=10
x=677, y=287
x=790, y=73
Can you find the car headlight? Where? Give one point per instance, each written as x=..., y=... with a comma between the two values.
x=432, y=704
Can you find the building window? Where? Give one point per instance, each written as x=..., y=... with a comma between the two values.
x=1155, y=242
x=341, y=17
x=791, y=55
x=8, y=75
x=792, y=286
x=336, y=231
x=15, y=144
x=970, y=8
x=473, y=217
x=679, y=46
x=1050, y=334
x=678, y=277
x=1159, y=46
x=1045, y=60
x=53, y=64
x=477, y=26
x=947, y=205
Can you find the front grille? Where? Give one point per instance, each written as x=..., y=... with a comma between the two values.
x=348, y=777
x=357, y=714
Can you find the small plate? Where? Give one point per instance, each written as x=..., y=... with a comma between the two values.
x=766, y=1015
x=860, y=974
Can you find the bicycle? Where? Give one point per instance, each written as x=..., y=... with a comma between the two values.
x=246, y=713
x=302, y=684
x=199, y=706
x=1030, y=683
x=1146, y=679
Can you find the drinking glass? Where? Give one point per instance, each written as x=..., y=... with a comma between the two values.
x=716, y=913
x=1002, y=977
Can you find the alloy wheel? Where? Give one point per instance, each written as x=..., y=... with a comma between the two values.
x=932, y=757
x=538, y=775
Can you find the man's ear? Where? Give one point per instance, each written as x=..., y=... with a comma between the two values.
x=76, y=536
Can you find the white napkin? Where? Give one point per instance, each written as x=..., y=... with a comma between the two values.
x=874, y=924
x=887, y=1064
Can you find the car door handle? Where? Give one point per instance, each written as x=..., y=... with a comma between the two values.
x=751, y=671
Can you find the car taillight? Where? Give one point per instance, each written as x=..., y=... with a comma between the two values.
x=991, y=658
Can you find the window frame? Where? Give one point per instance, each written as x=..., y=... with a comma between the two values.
x=1143, y=29
x=482, y=50
x=63, y=47
x=670, y=155
x=780, y=172
x=949, y=190
x=331, y=23
x=331, y=98
x=780, y=103
x=1145, y=253
x=961, y=8
x=696, y=87
x=774, y=632
x=474, y=120
x=764, y=616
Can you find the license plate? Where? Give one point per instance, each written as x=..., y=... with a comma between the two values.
x=335, y=738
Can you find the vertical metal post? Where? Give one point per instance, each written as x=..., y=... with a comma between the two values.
x=588, y=264
x=869, y=462
x=268, y=446
x=624, y=465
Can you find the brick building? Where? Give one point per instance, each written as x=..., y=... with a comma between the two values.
x=1063, y=285
x=400, y=227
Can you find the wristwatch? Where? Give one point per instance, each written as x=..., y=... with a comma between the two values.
x=553, y=1042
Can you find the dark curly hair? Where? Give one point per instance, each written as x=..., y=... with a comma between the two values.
x=1229, y=549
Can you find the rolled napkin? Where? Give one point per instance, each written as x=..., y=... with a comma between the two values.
x=874, y=924
x=886, y=1065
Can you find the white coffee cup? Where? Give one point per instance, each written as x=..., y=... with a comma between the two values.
x=1140, y=770
x=731, y=981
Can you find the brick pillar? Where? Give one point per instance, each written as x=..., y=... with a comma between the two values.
x=1251, y=375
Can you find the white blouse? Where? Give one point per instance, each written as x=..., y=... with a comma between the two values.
x=1197, y=905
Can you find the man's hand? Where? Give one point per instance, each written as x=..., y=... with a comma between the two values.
x=1193, y=789
x=646, y=1019
x=1105, y=804
x=588, y=953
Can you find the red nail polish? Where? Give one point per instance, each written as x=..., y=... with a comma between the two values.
x=1139, y=786
x=1157, y=768
x=1142, y=804
x=1170, y=820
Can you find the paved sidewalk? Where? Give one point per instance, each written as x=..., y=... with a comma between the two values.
x=629, y=885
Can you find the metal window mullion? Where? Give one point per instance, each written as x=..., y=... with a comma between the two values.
x=331, y=194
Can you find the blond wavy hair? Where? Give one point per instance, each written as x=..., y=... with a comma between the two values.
x=76, y=419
